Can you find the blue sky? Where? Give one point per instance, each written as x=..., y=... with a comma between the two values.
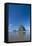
x=19, y=15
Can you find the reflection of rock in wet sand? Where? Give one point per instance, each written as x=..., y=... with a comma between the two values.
x=18, y=35
x=21, y=33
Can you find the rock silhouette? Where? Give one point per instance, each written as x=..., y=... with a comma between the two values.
x=21, y=32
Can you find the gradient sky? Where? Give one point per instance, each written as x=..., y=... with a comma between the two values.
x=19, y=15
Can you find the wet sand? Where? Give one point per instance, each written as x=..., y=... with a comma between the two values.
x=18, y=36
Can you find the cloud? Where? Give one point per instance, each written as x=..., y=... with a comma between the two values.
x=27, y=27
x=12, y=27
